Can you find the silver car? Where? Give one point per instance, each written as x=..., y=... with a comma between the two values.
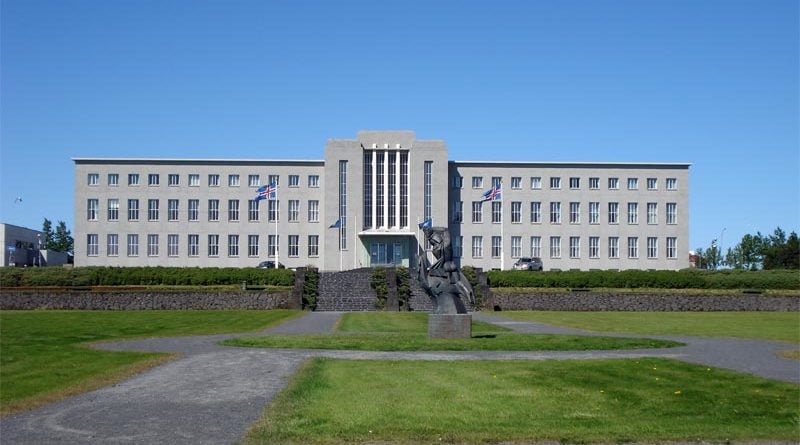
x=526, y=263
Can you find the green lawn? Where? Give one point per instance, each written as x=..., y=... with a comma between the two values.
x=339, y=401
x=43, y=355
x=784, y=326
x=399, y=322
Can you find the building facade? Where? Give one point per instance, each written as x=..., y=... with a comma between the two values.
x=362, y=205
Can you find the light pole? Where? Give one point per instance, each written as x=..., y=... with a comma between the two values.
x=721, y=239
x=39, y=250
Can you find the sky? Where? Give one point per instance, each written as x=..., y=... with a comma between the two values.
x=713, y=83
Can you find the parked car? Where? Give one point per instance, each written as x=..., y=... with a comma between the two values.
x=269, y=265
x=526, y=263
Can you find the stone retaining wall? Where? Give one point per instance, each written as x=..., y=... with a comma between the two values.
x=115, y=301
x=589, y=301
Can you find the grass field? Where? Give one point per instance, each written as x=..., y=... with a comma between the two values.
x=783, y=326
x=43, y=356
x=399, y=322
x=337, y=401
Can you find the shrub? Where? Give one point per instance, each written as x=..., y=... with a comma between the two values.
x=403, y=287
x=311, y=288
x=378, y=282
x=472, y=277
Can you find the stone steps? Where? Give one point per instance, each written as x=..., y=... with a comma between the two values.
x=346, y=291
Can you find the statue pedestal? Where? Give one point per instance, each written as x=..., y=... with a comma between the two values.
x=449, y=326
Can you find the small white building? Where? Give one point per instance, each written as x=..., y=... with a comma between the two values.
x=23, y=247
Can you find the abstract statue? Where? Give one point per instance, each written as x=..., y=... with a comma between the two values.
x=443, y=280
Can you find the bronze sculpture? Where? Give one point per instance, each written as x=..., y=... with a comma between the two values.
x=443, y=280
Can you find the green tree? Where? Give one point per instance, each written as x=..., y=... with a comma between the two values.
x=747, y=254
x=62, y=240
x=781, y=252
x=47, y=229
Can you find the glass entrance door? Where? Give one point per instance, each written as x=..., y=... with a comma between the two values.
x=385, y=254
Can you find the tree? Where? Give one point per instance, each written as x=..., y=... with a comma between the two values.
x=781, y=252
x=747, y=254
x=47, y=229
x=62, y=240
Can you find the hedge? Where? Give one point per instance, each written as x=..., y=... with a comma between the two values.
x=663, y=279
x=139, y=276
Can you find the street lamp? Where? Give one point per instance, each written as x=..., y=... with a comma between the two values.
x=721, y=239
x=39, y=250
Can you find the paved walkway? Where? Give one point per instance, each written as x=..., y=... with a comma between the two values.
x=213, y=393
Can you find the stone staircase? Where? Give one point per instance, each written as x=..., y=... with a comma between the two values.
x=346, y=291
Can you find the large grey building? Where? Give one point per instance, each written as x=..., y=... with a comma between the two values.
x=361, y=206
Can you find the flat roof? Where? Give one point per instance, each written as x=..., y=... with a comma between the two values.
x=572, y=164
x=196, y=161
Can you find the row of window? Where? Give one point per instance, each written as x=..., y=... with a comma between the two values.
x=612, y=247
x=193, y=247
x=174, y=180
x=574, y=212
x=193, y=210
x=574, y=183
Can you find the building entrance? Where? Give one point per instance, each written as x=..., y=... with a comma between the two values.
x=386, y=254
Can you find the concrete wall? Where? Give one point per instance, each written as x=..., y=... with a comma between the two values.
x=590, y=301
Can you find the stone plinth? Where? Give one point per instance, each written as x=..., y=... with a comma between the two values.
x=449, y=326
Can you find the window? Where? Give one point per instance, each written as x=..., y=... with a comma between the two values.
x=173, y=180
x=273, y=210
x=633, y=183
x=652, y=184
x=194, y=245
x=272, y=245
x=594, y=247
x=213, y=245
x=536, y=246
x=497, y=211
x=427, y=190
x=172, y=245
x=458, y=211
x=633, y=247
x=112, y=244
x=194, y=180
x=516, y=246
x=613, y=247
x=555, y=183
x=294, y=180
x=313, y=245
x=133, y=179
x=152, y=210
x=313, y=181
x=574, y=247
x=594, y=213
x=672, y=247
x=613, y=212
x=233, y=245
x=555, y=213
x=153, y=179
x=252, y=210
x=92, y=244
x=252, y=245
x=652, y=213
x=477, y=182
x=536, y=212
x=574, y=183
x=294, y=210
x=555, y=247
x=213, y=180
x=516, y=182
x=458, y=182
x=594, y=183
x=233, y=180
x=574, y=213
x=672, y=184
x=343, y=202
x=672, y=213
x=194, y=209
x=233, y=210
x=133, y=244
x=613, y=183
x=172, y=209
x=276, y=179
x=477, y=212
x=92, y=206
x=93, y=179
x=458, y=247
x=133, y=210
x=253, y=180
x=294, y=245
x=536, y=182
x=477, y=246
x=313, y=210
x=497, y=246
x=652, y=247
x=213, y=209
x=113, y=179
x=152, y=244
x=516, y=212
x=496, y=181
x=633, y=213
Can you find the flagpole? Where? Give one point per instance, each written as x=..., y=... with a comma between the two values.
x=355, y=237
x=277, y=244
x=340, y=243
x=502, y=237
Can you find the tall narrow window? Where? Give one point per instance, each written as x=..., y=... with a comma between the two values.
x=652, y=184
x=213, y=245
x=313, y=210
x=272, y=245
x=594, y=247
x=313, y=245
x=152, y=244
x=367, y=189
x=113, y=209
x=172, y=245
x=172, y=209
x=555, y=247
x=92, y=244
x=392, y=189
x=213, y=209
x=133, y=244
x=294, y=245
x=477, y=212
x=594, y=213
x=276, y=179
x=497, y=211
x=92, y=206
x=133, y=210
x=233, y=245
x=613, y=212
x=403, y=189
x=343, y=204
x=273, y=210
x=633, y=213
x=536, y=212
x=477, y=246
x=380, y=189
x=194, y=209
x=574, y=213
x=672, y=247
x=497, y=246
x=112, y=244
x=294, y=210
x=458, y=211
x=233, y=210
x=458, y=249
x=536, y=246
x=652, y=247
x=194, y=245
x=574, y=247
x=252, y=245
x=613, y=247
x=672, y=213
x=516, y=246
x=152, y=210
x=252, y=210
x=555, y=213
x=633, y=247
x=652, y=213
x=516, y=212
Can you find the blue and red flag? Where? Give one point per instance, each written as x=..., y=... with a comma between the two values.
x=266, y=191
x=493, y=194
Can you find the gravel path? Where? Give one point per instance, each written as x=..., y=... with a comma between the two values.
x=213, y=393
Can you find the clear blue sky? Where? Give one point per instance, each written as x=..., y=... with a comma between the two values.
x=714, y=83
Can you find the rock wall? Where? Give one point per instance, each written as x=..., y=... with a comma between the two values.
x=116, y=301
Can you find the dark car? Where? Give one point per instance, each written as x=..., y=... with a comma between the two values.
x=526, y=263
x=269, y=265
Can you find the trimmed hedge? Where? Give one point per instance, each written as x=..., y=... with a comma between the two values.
x=662, y=279
x=141, y=276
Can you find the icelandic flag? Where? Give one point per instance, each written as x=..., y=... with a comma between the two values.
x=493, y=194
x=427, y=223
x=266, y=192
x=336, y=225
